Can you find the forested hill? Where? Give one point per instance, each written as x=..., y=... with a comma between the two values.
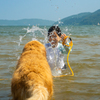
x=86, y=18
x=82, y=19
x=26, y=22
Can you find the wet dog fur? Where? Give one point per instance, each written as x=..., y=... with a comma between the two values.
x=32, y=79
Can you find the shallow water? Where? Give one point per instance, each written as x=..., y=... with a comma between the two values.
x=84, y=60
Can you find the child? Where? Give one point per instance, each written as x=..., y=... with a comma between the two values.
x=55, y=50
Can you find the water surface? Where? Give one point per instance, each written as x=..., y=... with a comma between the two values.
x=84, y=60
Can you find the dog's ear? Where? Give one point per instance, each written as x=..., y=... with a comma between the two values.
x=40, y=47
x=35, y=45
x=30, y=46
x=43, y=51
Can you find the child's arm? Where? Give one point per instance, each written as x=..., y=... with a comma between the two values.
x=65, y=49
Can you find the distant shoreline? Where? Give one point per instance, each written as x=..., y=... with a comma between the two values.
x=86, y=18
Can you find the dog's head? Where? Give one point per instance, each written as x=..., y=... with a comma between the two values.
x=35, y=46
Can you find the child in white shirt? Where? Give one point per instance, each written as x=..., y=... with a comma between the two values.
x=55, y=50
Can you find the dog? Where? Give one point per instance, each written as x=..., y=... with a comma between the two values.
x=32, y=78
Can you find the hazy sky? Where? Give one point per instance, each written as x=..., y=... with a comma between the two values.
x=45, y=9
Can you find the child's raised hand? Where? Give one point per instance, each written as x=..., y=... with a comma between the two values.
x=62, y=37
x=58, y=38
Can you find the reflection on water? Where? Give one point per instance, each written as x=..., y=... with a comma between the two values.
x=84, y=60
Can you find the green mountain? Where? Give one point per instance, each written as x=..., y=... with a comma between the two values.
x=82, y=19
x=86, y=18
x=26, y=22
x=92, y=19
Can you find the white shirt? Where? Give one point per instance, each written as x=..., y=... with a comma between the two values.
x=55, y=56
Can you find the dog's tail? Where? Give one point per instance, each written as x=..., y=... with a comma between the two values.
x=40, y=93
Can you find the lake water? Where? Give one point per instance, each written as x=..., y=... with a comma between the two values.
x=84, y=60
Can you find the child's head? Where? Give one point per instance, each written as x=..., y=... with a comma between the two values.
x=54, y=28
x=54, y=34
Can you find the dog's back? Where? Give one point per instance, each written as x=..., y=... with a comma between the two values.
x=32, y=79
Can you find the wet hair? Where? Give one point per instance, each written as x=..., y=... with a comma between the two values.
x=56, y=28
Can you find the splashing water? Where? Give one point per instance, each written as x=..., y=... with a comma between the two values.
x=59, y=22
x=35, y=30
x=40, y=34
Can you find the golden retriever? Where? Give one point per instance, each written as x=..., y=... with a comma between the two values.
x=32, y=79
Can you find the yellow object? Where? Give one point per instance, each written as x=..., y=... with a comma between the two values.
x=70, y=45
x=4, y=79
